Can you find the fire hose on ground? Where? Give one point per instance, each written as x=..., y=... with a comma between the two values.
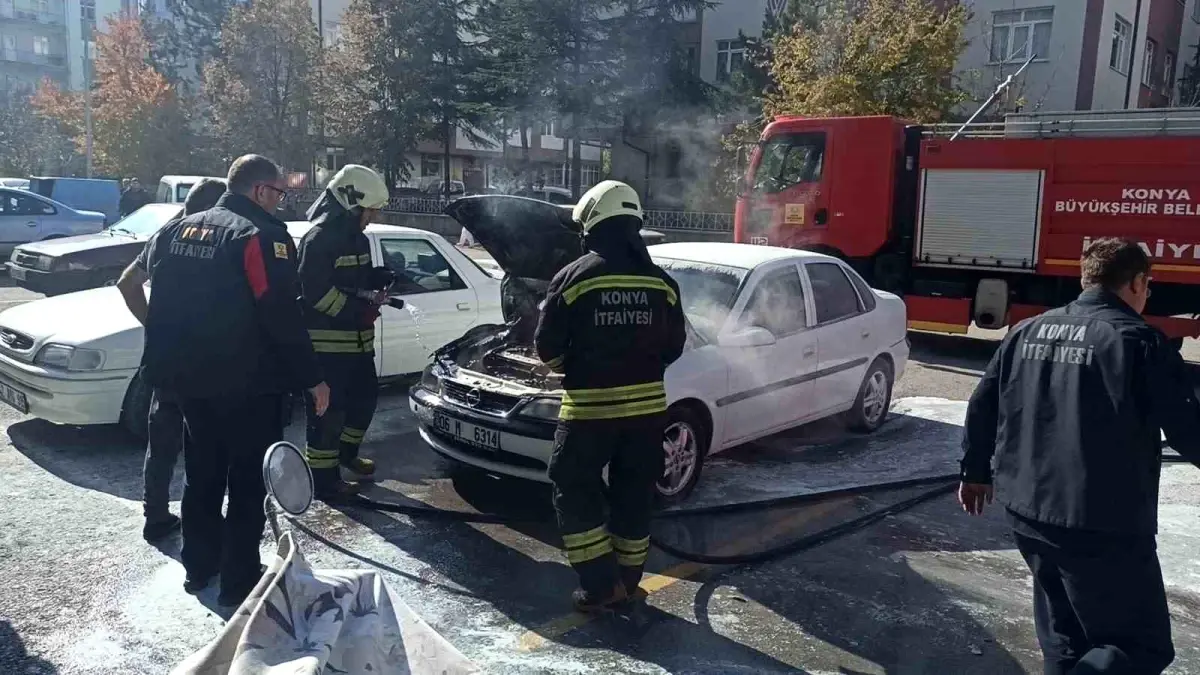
x=938, y=486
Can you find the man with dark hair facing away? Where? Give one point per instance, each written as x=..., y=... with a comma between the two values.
x=225, y=334
x=164, y=427
x=1067, y=420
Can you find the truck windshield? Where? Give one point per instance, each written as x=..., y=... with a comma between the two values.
x=789, y=159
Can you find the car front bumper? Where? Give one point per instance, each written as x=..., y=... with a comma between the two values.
x=52, y=283
x=68, y=398
x=525, y=445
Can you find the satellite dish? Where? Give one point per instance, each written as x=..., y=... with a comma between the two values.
x=288, y=479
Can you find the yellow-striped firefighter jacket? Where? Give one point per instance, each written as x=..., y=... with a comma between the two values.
x=612, y=325
x=335, y=262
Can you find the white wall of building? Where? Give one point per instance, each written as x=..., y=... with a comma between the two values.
x=76, y=46
x=1109, y=92
x=722, y=22
x=1051, y=81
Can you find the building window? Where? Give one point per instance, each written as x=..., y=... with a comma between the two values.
x=87, y=17
x=548, y=128
x=41, y=45
x=589, y=175
x=430, y=166
x=1118, y=58
x=691, y=63
x=1018, y=33
x=1148, y=63
x=730, y=55
x=1169, y=74
x=333, y=34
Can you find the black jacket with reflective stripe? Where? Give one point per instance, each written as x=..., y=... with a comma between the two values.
x=612, y=323
x=335, y=263
x=224, y=316
x=1071, y=407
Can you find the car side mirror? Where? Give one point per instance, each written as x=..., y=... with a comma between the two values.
x=753, y=336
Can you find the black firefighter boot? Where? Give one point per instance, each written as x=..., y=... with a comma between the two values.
x=631, y=577
x=596, y=603
x=331, y=489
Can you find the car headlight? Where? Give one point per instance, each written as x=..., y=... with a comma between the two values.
x=542, y=408
x=430, y=379
x=45, y=262
x=66, y=357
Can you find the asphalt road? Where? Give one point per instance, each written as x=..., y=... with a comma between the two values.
x=925, y=591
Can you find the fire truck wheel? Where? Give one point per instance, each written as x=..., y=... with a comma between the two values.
x=874, y=398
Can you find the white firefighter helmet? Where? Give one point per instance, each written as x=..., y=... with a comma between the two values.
x=357, y=186
x=607, y=199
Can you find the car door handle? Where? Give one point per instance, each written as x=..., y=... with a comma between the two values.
x=866, y=334
x=463, y=306
x=809, y=351
x=32, y=223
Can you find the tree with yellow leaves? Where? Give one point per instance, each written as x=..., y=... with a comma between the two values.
x=871, y=57
x=138, y=126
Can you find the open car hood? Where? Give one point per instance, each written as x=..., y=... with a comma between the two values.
x=527, y=238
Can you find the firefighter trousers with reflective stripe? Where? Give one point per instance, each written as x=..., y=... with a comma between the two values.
x=607, y=550
x=334, y=438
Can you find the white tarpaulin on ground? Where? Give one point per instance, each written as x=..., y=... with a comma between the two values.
x=300, y=621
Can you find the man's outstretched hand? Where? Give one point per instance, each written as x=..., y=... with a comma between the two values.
x=973, y=495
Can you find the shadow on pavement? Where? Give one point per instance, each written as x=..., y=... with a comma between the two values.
x=953, y=351
x=14, y=658
x=102, y=458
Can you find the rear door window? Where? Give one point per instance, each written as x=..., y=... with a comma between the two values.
x=833, y=294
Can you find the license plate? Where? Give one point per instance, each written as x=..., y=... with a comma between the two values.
x=759, y=241
x=14, y=398
x=465, y=432
x=17, y=273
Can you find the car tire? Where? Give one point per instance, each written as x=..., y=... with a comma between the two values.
x=686, y=439
x=135, y=411
x=874, y=398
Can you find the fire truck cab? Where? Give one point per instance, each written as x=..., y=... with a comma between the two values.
x=986, y=228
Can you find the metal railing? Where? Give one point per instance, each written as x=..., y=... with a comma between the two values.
x=1095, y=123
x=655, y=219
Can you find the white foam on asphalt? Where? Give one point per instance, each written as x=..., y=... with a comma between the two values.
x=920, y=439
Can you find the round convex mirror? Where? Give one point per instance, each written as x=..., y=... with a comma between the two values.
x=288, y=478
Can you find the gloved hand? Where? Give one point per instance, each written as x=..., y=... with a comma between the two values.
x=379, y=278
x=369, y=314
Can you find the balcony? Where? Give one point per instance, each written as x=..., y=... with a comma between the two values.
x=33, y=16
x=31, y=58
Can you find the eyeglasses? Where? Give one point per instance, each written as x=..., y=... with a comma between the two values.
x=281, y=193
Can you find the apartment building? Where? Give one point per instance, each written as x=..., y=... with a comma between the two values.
x=1090, y=54
x=33, y=43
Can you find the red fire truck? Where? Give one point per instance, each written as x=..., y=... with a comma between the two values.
x=987, y=227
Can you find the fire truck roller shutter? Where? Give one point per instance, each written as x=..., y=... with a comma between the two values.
x=980, y=218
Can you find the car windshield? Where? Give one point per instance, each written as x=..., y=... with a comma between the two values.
x=147, y=220
x=707, y=291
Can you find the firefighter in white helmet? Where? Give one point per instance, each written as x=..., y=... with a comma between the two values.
x=611, y=323
x=343, y=294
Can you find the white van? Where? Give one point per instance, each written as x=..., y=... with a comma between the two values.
x=174, y=189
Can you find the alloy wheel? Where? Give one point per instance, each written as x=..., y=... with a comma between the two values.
x=681, y=450
x=875, y=397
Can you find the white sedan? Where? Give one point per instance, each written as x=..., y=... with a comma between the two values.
x=73, y=359
x=777, y=338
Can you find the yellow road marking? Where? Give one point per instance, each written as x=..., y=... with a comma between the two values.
x=653, y=583
x=938, y=327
